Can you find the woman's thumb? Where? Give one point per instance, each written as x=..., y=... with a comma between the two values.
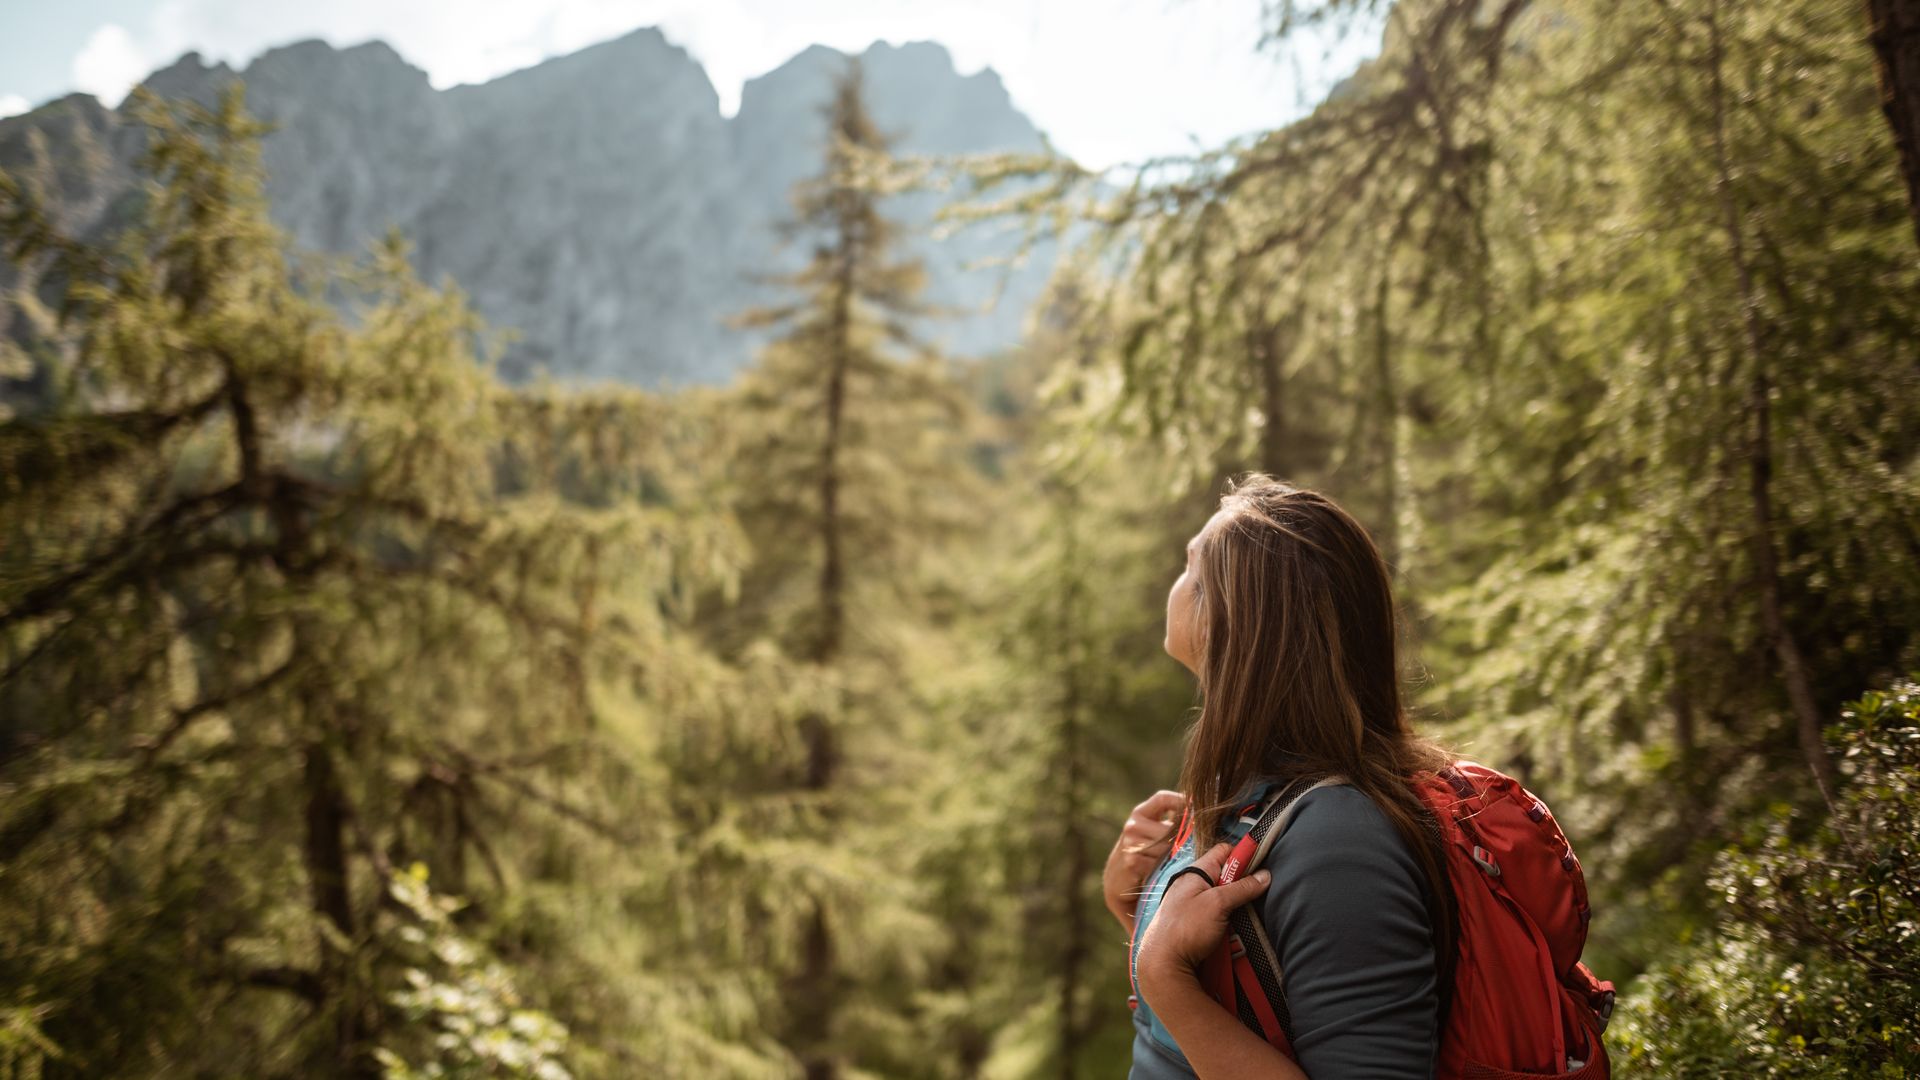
x=1239, y=891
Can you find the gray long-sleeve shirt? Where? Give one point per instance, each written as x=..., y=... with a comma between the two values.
x=1347, y=916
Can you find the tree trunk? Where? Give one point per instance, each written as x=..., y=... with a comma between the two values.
x=814, y=1002
x=1388, y=528
x=1074, y=950
x=811, y=999
x=1267, y=346
x=1759, y=410
x=1894, y=30
x=832, y=568
x=332, y=900
x=326, y=842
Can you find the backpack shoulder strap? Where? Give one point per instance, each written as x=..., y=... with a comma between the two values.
x=1279, y=813
x=1245, y=975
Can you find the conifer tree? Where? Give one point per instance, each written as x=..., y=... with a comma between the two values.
x=360, y=714
x=849, y=469
x=1065, y=620
x=1894, y=30
x=1613, y=325
x=290, y=601
x=1075, y=716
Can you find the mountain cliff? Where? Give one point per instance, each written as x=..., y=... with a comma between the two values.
x=598, y=204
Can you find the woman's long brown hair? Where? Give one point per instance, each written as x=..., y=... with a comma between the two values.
x=1299, y=673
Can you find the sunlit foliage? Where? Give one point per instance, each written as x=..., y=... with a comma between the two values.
x=292, y=596
x=776, y=730
x=1813, y=965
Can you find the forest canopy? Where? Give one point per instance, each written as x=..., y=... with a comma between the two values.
x=363, y=713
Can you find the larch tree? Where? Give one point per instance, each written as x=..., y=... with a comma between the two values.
x=1076, y=715
x=1090, y=563
x=299, y=610
x=1608, y=316
x=848, y=472
x=1893, y=27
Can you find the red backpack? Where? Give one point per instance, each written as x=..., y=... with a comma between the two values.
x=1523, y=1005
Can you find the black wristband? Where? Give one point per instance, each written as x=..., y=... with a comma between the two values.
x=1204, y=876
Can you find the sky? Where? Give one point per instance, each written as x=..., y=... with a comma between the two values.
x=1110, y=81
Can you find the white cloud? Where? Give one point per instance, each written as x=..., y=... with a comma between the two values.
x=13, y=105
x=109, y=64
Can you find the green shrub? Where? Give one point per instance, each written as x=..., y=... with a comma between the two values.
x=464, y=1014
x=1814, y=968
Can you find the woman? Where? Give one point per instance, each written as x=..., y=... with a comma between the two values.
x=1285, y=614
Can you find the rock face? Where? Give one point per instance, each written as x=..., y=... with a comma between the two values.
x=597, y=204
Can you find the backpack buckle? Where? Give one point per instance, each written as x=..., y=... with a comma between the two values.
x=1604, y=1010
x=1485, y=859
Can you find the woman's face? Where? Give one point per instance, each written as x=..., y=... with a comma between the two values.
x=1183, y=630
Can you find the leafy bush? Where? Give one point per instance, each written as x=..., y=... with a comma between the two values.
x=466, y=1000
x=1814, y=969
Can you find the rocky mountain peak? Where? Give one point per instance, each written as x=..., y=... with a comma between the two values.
x=597, y=203
x=189, y=77
x=373, y=64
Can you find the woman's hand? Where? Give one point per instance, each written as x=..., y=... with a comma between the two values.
x=1146, y=839
x=1186, y=929
x=1191, y=922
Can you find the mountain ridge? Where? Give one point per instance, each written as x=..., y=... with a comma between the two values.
x=598, y=203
